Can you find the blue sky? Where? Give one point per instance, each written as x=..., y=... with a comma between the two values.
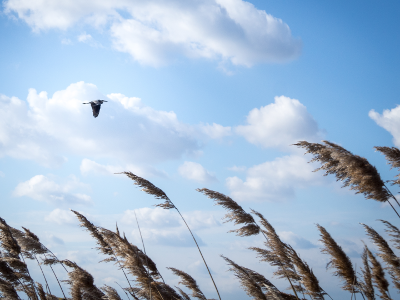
x=207, y=93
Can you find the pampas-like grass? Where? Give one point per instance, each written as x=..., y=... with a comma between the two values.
x=110, y=293
x=85, y=223
x=7, y=290
x=386, y=254
x=151, y=189
x=277, y=255
x=254, y=284
x=189, y=282
x=378, y=275
x=339, y=261
x=366, y=285
x=355, y=171
x=82, y=283
x=308, y=279
x=392, y=155
x=394, y=232
x=236, y=213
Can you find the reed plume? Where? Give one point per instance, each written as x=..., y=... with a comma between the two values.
x=392, y=155
x=308, y=279
x=378, y=276
x=386, y=254
x=366, y=285
x=151, y=189
x=133, y=260
x=183, y=294
x=394, y=232
x=82, y=283
x=236, y=213
x=85, y=223
x=110, y=293
x=11, y=256
x=339, y=260
x=189, y=282
x=355, y=171
x=254, y=284
x=7, y=290
x=277, y=255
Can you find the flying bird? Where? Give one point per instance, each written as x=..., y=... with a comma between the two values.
x=96, y=104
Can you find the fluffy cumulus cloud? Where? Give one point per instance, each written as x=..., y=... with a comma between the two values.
x=273, y=180
x=196, y=172
x=160, y=226
x=389, y=120
x=156, y=32
x=45, y=189
x=279, y=124
x=46, y=129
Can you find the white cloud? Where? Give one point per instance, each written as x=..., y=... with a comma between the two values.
x=157, y=32
x=196, y=172
x=47, y=128
x=216, y=131
x=161, y=226
x=84, y=37
x=274, y=180
x=389, y=120
x=61, y=216
x=42, y=188
x=237, y=169
x=279, y=124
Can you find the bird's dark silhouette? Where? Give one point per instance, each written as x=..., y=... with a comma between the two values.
x=96, y=104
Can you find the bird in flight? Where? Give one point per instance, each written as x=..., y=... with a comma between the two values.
x=95, y=106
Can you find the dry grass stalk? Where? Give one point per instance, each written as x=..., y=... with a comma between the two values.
x=392, y=155
x=151, y=189
x=394, y=232
x=355, y=171
x=82, y=283
x=378, y=275
x=133, y=260
x=11, y=256
x=183, y=294
x=366, y=285
x=339, y=260
x=237, y=214
x=254, y=284
x=85, y=223
x=308, y=279
x=110, y=293
x=277, y=255
x=42, y=294
x=7, y=290
x=189, y=282
x=387, y=255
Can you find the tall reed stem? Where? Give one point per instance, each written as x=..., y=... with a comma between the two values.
x=199, y=251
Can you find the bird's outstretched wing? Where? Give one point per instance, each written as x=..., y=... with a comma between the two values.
x=96, y=109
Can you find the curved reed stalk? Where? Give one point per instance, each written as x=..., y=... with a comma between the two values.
x=151, y=189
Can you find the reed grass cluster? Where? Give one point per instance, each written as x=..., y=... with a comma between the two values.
x=145, y=281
